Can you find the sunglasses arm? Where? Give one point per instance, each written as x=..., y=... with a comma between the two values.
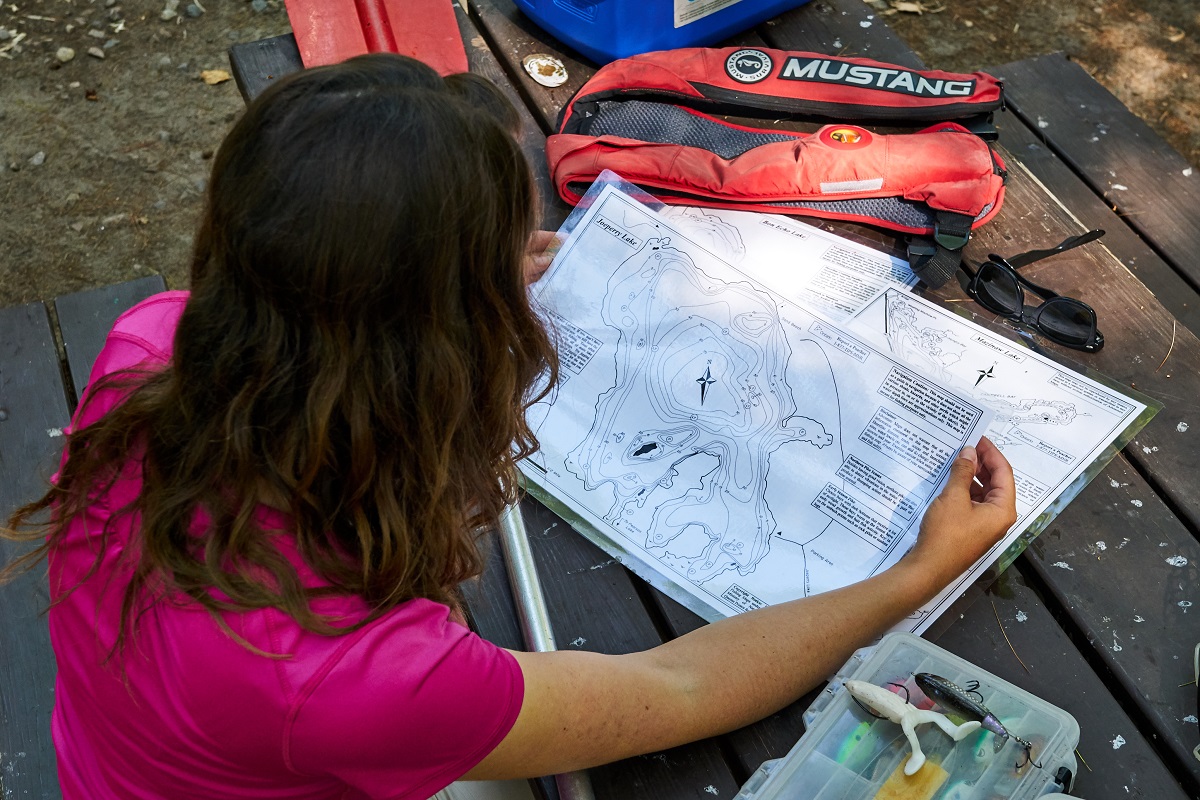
x=1071, y=242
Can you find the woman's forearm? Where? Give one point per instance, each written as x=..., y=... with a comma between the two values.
x=741, y=669
x=600, y=708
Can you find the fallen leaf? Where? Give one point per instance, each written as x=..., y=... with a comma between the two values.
x=1174, y=34
x=214, y=76
x=911, y=7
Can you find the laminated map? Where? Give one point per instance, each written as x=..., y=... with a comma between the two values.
x=718, y=429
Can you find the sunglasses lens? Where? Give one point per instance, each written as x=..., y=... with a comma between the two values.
x=997, y=290
x=1066, y=320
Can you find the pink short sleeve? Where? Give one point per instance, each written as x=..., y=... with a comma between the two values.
x=411, y=705
x=141, y=337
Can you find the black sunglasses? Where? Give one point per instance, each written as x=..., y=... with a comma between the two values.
x=997, y=286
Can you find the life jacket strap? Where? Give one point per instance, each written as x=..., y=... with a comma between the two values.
x=936, y=260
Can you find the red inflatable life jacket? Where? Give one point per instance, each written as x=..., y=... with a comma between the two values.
x=645, y=118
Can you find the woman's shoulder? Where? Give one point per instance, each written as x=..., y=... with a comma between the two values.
x=144, y=333
x=150, y=325
x=425, y=636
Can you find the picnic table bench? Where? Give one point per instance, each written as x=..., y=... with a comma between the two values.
x=1105, y=631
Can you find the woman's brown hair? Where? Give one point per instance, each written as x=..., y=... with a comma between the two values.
x=358, y=351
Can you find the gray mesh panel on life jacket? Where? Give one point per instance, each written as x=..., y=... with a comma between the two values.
x=888, y=209
x=666, y=124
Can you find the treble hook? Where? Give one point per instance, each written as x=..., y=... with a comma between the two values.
x=1028, y=748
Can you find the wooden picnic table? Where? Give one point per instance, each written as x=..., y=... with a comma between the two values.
x=1109, y=640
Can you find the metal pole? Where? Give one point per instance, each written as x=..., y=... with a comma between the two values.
x=534, y=619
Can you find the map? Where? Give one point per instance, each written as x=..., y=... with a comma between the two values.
x=710, y=361
x=731, y=446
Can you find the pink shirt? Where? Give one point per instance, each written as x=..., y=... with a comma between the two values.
x=397, y=709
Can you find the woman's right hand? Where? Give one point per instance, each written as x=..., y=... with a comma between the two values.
x=967, y=518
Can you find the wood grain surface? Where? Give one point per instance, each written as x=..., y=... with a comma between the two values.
x=33, y=412
x=256, y=65
x=1038, y=155
x=1149, y=184
x=1058, y=675
x=1108, y=636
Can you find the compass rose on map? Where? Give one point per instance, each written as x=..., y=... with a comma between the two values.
x=705, y=381
x=984, y=374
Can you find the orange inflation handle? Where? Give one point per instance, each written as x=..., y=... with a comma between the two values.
x=329, y=31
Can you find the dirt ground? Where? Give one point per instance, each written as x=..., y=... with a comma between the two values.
x=105, y=148
x=1146, y=52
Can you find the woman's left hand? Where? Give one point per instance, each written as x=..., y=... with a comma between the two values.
x=537, y=260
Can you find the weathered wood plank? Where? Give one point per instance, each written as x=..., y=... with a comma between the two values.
x=489, y=600
x=595, y=606
x=1036, y=222
x=85, y=318
x=838, y=24
x=33, y=412
x=838, y=27
x=1137, y=668
x=1121, y=158
x=1100, y=279
x=35, y=404
x=1066, y=678
x=512, y=36
x=1178, y=296
x=256, y=65
x=773, y=737
x=1058, y=675
x=1128, y=574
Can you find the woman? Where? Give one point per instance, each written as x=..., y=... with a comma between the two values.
x=274, y=485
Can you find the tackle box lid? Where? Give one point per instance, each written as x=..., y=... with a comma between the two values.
x=848, y=753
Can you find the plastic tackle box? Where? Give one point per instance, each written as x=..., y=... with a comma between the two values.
x=604, y=30
x=847, y=753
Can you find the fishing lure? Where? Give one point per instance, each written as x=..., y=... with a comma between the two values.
x=962, y=702
x=890, y=706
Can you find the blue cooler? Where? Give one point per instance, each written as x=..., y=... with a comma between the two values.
x=604, y=30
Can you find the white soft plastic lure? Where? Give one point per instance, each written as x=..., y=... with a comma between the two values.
x=891, y=706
